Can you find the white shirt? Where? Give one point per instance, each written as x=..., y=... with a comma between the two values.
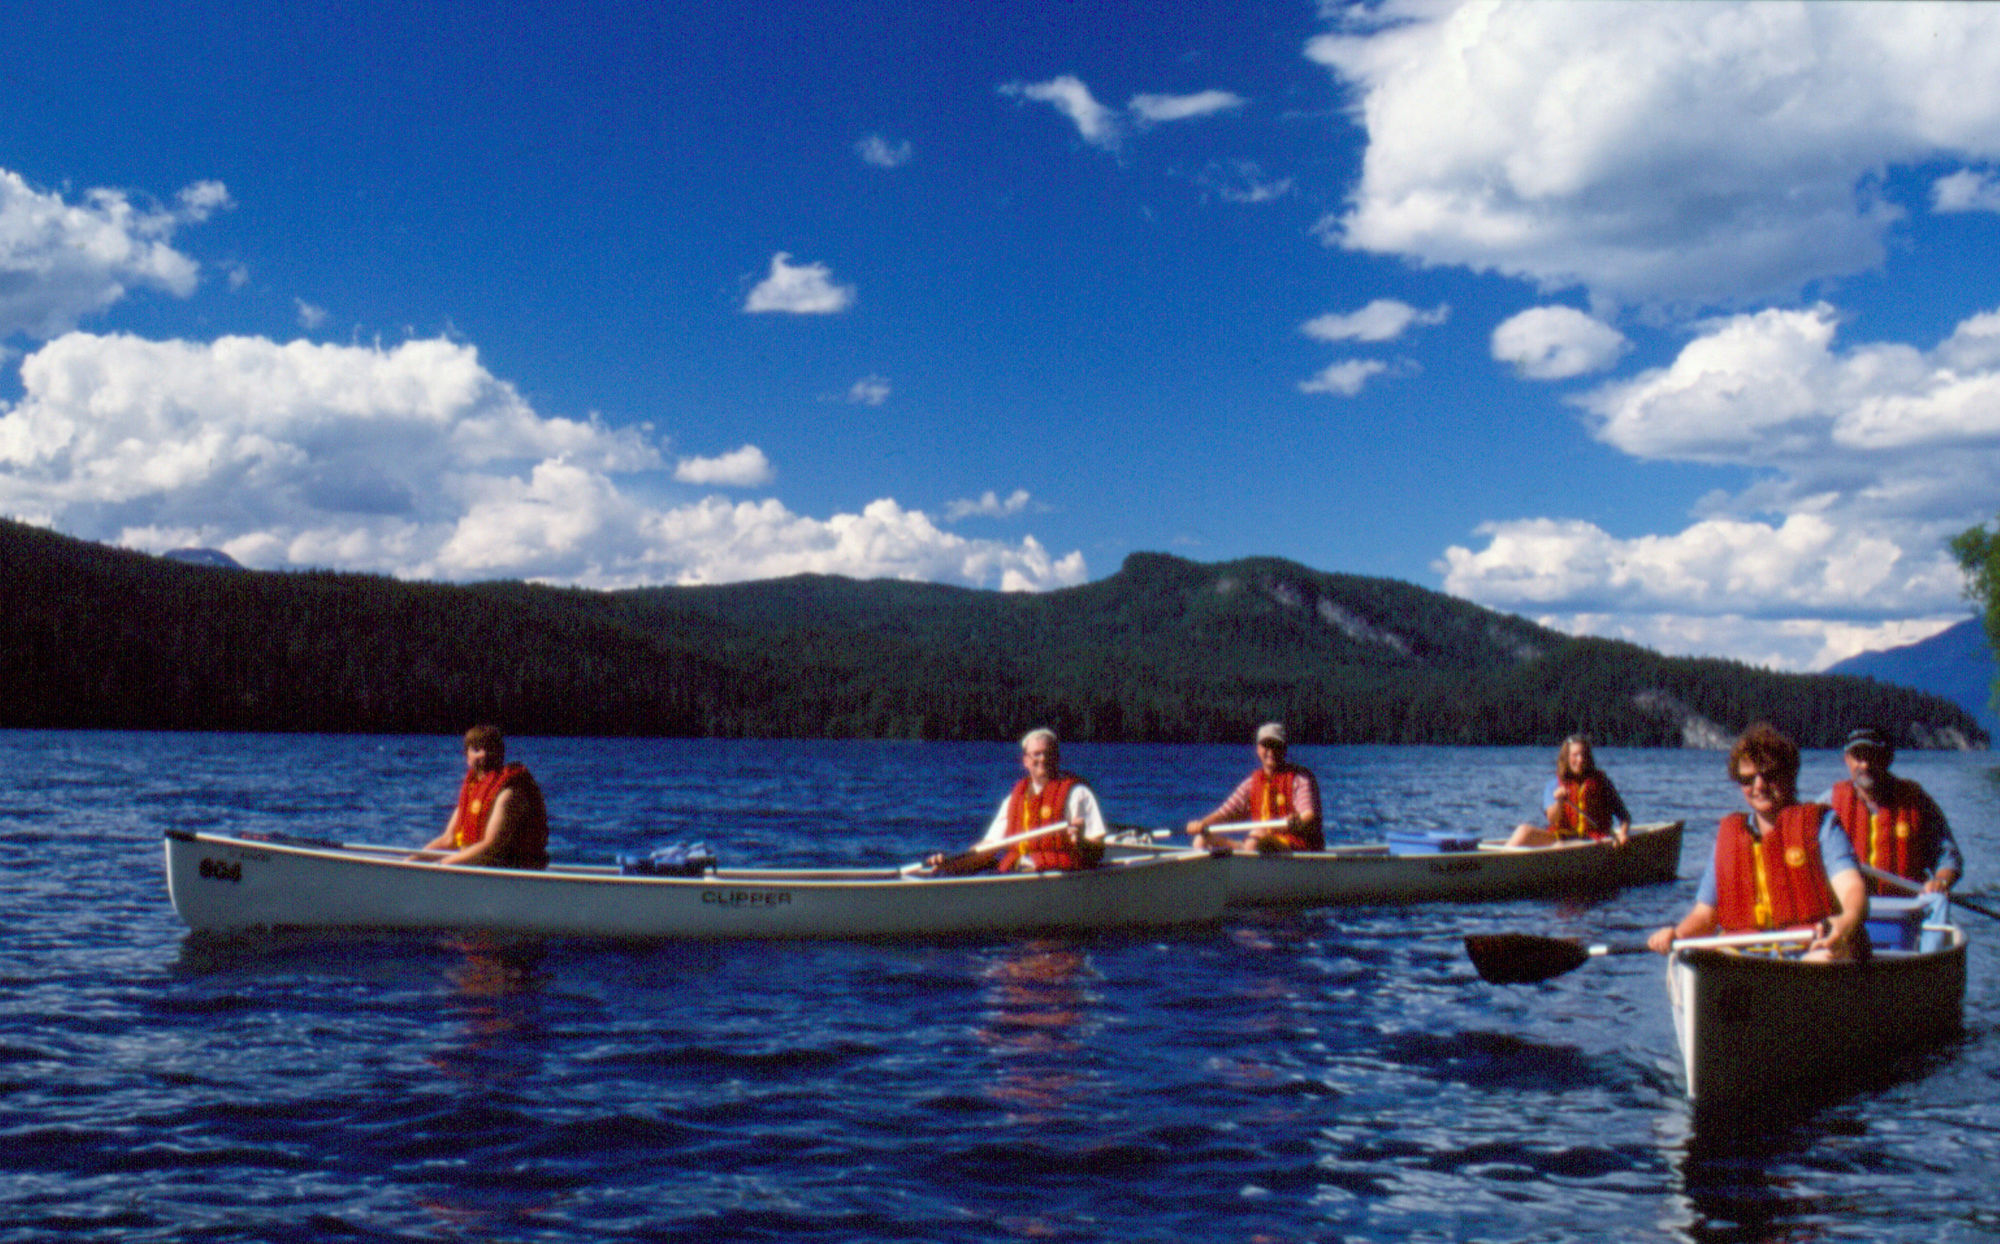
x=1081, y=805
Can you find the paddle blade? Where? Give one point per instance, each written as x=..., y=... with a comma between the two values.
x=1522, y=958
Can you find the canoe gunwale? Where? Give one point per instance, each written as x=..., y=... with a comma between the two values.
x=220, y=881
x=1364, y=874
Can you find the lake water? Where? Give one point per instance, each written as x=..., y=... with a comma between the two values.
x=1307, y=1076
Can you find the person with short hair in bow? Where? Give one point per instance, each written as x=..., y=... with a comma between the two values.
x=1784, y=865
x=500, y=820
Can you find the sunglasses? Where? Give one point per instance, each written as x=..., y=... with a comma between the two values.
x=1747, y=780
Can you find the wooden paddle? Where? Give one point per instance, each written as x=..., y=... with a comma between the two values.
x=1917, y=887
x=965, y=861
x=1524, y=959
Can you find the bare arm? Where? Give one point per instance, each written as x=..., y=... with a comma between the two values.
x=444, y=841
x=509, y=818
x=1852, y=891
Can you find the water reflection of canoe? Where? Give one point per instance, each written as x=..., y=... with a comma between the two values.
x=1391, y=873
x=222, y=882
x=1755, y=1026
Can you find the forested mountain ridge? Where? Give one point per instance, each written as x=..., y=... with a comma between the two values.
x=1166, y=649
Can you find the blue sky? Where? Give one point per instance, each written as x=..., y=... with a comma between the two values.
x=1674, y=322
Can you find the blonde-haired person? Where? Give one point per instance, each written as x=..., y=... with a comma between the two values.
x=1579, y=804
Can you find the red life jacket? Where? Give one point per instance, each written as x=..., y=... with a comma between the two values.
x=1776, y=883
x=476, y=797
x=1027, y=809
x=1893, y=837
x=1582, y=809
x=1272, y=797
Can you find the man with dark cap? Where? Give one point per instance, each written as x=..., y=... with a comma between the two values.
x=1894, y=824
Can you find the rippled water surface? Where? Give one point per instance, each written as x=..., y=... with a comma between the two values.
x=1320, y=1075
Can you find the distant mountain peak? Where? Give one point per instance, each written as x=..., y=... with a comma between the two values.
x=1956, y=663
x=203, y=557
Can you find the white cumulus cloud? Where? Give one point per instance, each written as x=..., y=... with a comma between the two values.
x=61, y=261
x=1344, y=379
x=415, y=461
x=799, y=289
x=1658, y=154
x=1556, y=343
x=882, y=152
x=1243, y=181
x=1105, y=127
x=1097, y=124
x=714, y=541
x=1866, y=459
x=1968, y=190
x=740, y=468
x=1164, y=108
x=869, y=391
x=1384, y=319
x=989, y=505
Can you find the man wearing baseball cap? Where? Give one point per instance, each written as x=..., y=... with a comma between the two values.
x=1894, y=824
x=1277, y=806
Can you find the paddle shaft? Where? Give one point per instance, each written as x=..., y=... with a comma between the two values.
x=1526, y=959
x=989, y=848
x=1718, y=941
x=331, y=844
x=1917, y=887
x=1714, y=941
x=1762, y=938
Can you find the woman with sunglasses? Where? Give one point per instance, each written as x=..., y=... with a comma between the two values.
x=1784, y=865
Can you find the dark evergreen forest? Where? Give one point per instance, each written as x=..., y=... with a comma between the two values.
x=1164, y=650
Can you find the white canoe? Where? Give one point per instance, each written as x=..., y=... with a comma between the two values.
x=1373, y=874
x=219, y=882
x=1753, y=1026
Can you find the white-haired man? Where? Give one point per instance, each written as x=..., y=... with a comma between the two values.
x=1046, y=796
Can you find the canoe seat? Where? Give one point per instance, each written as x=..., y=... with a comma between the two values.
x=1895, y=923
x=1429, y=842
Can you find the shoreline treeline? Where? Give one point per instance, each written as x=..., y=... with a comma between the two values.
x=1166, y=650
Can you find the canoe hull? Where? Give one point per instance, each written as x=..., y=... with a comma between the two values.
x=1751, y=1027
x=219, y=883
x=1371, y=875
